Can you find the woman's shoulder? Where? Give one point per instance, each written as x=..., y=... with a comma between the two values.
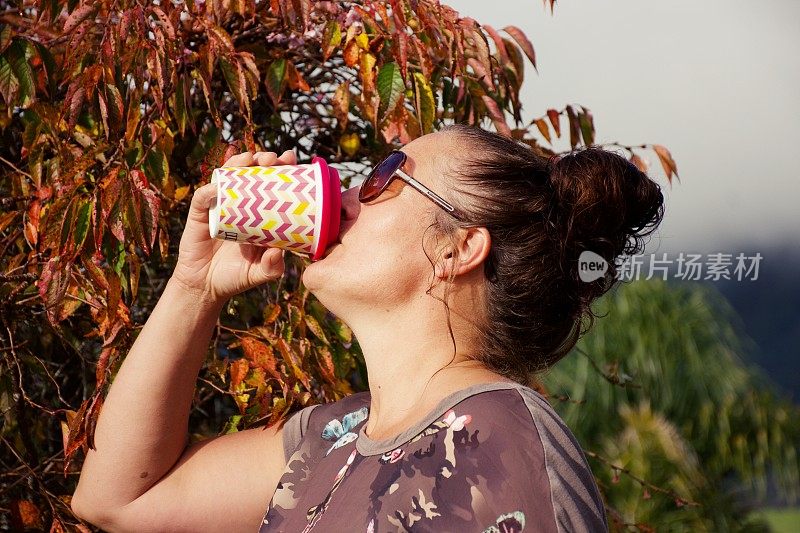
x=519, y=425
x=318, y=423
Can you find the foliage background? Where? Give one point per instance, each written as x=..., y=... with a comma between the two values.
x=113, y=112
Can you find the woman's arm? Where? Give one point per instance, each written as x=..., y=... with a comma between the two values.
x=141, y=476
x=143, y=426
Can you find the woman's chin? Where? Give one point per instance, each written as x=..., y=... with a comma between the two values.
x=313, y=273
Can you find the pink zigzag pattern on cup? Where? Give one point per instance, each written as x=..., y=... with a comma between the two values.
x=258, y=196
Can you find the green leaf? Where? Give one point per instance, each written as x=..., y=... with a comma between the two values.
x=82, y=221
x=134, y=269
x=119, y=263
x=331, y=38
x=156, y=166
x=232, y=70
x=9, y=84
x=315, y=328
x=232, y=425
x=342, y=330
x=587, y=130
x=181, y=112
x=6, y=33
x=426, y=105
x=134, y=153
x=390, y=88
x=517, y=61
x=276, y=80
x=16, y=55
x=67, y=226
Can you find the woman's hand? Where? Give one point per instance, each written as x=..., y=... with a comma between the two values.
x=214, y=269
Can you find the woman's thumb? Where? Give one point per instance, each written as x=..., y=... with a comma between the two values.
x=271, y=265
x=202, y=201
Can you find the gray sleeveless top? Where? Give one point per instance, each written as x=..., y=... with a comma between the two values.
x=494, y=457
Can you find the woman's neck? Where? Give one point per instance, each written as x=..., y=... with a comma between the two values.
x=403, y=350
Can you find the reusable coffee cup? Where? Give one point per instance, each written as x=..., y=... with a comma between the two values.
x=294, y=207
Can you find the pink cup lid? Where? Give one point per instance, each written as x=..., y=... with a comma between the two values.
x=331, y=207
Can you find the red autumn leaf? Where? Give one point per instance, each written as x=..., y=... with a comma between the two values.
x=95, y=273
x=555, y=120
x=290, y=357
x=25, y=515
x=134, y=268
x=139, y=179
x=79, y=15
x=665, y=157
x=400, y=52
x=102, y=363
x=523, y=43
x=326, y=366
x=498, y=42
x=103, y=113
x=574, y=127
x=75, y=104
x=261, y=355
x=113, y=297
x=91, y=419
x=32, y=222
x=397, y=10
x=295, y=78
x=57, y=526
x=497, y=115
x=543, y=129
x=165, y=22
x=352, y=53
x=220, y=38
x=76, y=436
x=423, y=55
x=53, y=284
x=483, y=75
x=238, y=370
x=640, y=163
x=275, y=7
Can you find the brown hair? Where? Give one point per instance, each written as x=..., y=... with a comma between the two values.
x=541, y=213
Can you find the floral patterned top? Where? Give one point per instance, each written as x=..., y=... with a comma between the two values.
x=491, y=458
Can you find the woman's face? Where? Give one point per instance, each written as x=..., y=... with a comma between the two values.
x=379, y=263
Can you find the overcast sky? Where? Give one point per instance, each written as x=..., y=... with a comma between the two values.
x=716, y=82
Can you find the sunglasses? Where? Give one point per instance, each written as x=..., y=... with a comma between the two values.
x=384, y=172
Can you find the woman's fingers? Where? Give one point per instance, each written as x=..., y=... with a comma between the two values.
x=264, y=159
x=289, y=157
x=201, y=201
x=244, y=159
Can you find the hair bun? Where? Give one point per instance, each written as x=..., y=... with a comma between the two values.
x=603, y=203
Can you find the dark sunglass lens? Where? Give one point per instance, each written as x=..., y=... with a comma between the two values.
x=380, y=175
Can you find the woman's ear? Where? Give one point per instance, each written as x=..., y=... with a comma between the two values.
x=467, y=251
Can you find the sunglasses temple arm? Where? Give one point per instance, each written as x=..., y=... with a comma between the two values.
x=426, y=191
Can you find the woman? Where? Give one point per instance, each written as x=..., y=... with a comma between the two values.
x=457, y=297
